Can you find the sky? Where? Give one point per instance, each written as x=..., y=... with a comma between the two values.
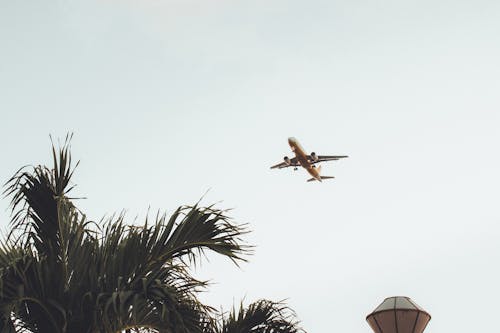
x=169, y=99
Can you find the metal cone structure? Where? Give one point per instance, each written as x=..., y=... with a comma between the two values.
x=398, y=315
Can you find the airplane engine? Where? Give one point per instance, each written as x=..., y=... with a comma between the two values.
x=314, y=157
x=287, y=160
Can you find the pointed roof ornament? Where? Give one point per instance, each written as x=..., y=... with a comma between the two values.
x=398, y=315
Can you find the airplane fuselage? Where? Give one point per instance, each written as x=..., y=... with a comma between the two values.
x=301, y=156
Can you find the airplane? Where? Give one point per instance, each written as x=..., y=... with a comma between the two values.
x=308, y=162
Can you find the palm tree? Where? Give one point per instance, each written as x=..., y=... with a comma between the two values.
x=60, y=272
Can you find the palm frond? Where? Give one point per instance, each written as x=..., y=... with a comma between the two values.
x=161, y=308
x=262, y=316
x=143, y=273
x=198, y=229
x=35, y=199
x=28, y=288
x=135, y=251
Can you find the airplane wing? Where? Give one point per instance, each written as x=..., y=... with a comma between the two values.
x=324, y=158
x=293, y=162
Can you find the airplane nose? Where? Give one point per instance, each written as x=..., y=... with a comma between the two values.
x=292, y=140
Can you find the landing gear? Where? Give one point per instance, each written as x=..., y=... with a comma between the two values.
x=295, y=169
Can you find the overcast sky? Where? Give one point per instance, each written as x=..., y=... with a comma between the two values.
x=168, y=99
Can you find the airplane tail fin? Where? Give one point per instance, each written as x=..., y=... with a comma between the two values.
x=322, y=177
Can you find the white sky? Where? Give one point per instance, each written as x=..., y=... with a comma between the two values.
x=168, y=99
